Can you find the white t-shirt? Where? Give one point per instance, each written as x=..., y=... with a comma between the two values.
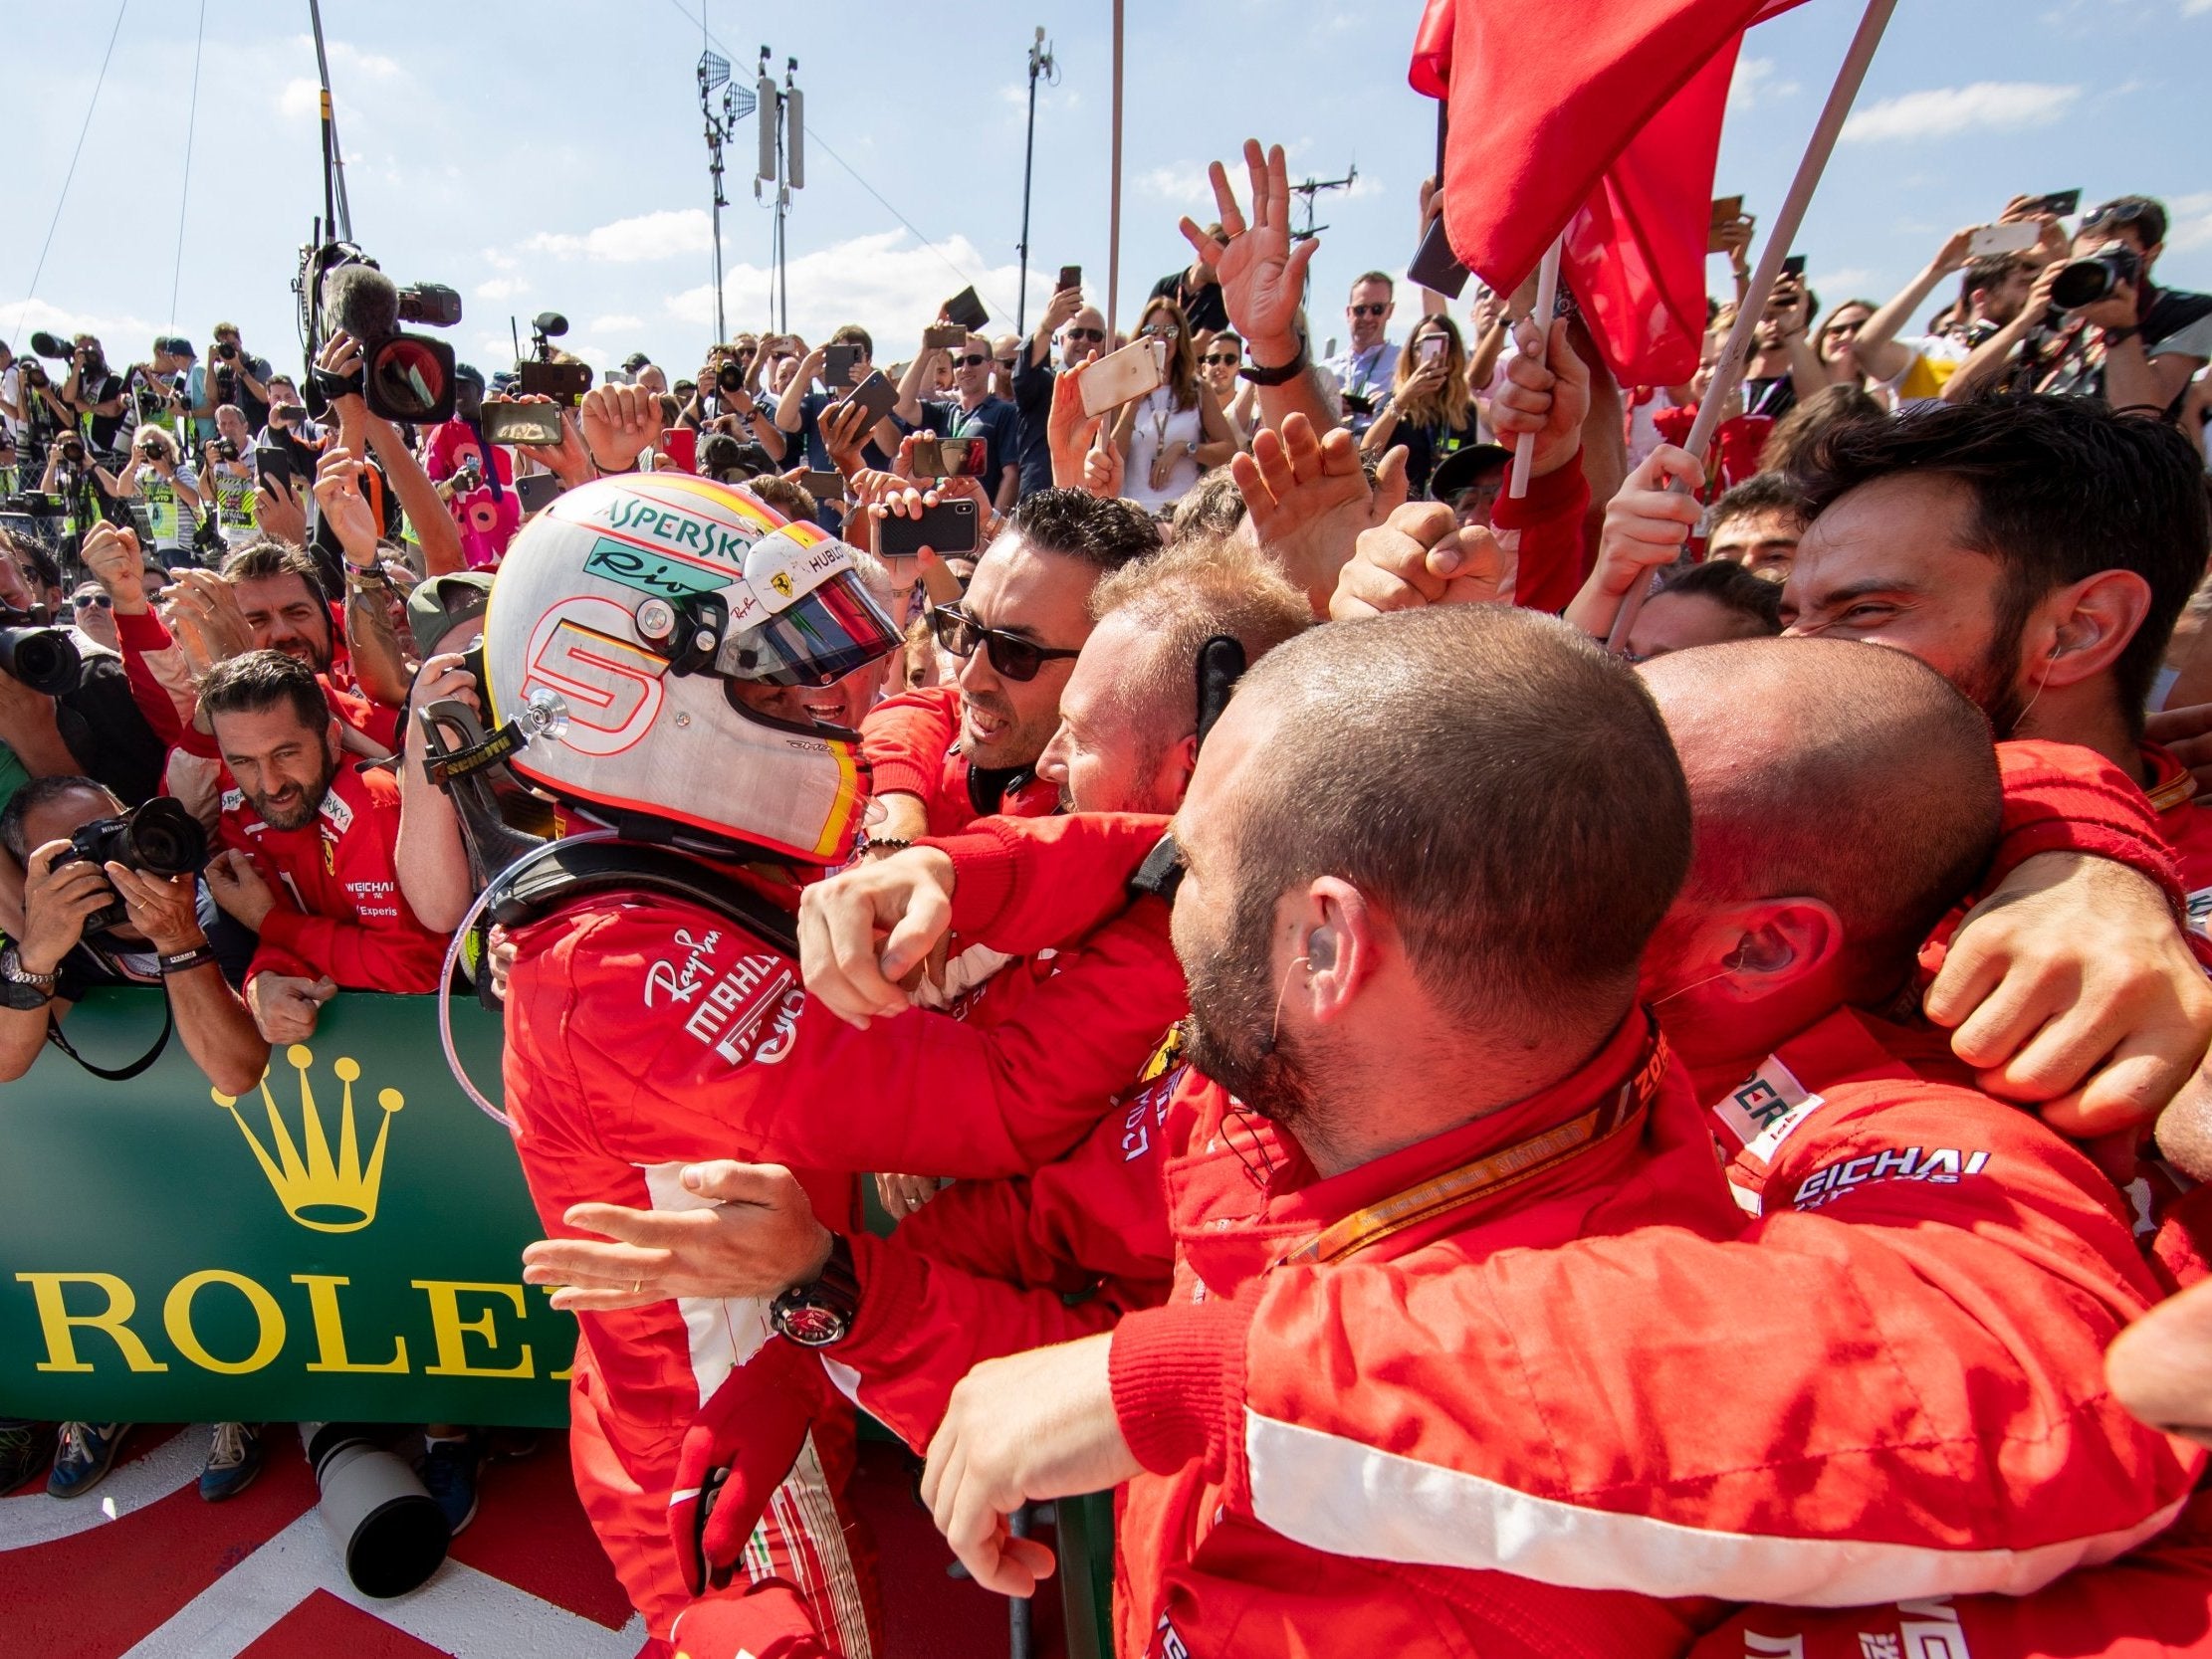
x=1160, y=423
x=1936, y=358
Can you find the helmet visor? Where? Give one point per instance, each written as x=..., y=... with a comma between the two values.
x=819, y=638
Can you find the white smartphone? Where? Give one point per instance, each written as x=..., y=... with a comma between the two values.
x=2003, y=239
x=1121, y=377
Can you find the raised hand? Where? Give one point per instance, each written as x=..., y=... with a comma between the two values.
x=1308, y=500
x=1263, y=276
x=110, y=552
x=338, y=491
x=205, y=618
x=279, y=511
x=1418, y=556
x=1070, y=432
x=567, y=460
x=620, y=423
x=1548, y=395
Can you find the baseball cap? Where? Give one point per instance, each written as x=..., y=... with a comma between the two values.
x=1459, y=470
x=442, y=603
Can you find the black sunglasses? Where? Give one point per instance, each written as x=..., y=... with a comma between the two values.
x=971, y=360
x=1085, y=334
x=1010, y=654
x=1220, y=357
x=1368, y=310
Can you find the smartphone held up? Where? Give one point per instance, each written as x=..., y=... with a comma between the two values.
x=1135, y=371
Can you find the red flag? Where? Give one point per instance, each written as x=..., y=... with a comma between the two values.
x=1607, y=128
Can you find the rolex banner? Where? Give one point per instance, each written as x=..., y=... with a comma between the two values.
x=344, y=1242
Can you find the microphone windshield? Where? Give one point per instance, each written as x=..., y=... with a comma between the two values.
x=362, y=301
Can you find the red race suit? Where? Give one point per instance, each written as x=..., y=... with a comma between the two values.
x=339, y=912
x=646, y=1033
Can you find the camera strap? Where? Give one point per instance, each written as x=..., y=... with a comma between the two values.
x=124, y=1073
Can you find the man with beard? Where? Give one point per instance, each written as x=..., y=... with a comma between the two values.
x=297, y=818
x=948, y=754
x=1565, y=1458
x=2035, y=552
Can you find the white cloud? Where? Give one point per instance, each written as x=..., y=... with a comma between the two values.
x=127, y=335
x=497, y=259
x=620, y=322
x=1757, y=83
x=647, y=236
x=1185, y=182
x=501, y=287
x=2190, y=218
x=883, y=278
x=2195, y=8
x=299, y=97
x=1940, y=111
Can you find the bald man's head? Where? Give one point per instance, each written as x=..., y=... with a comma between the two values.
x=1832, y=770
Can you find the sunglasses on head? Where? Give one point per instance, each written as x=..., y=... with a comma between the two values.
x=970, y=360
x=1011, y=656
x=1369, y=310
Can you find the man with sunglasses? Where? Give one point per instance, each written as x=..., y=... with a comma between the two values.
x=1364, y=368
x=1081, y=331
x=948, y=754
x=973, y=411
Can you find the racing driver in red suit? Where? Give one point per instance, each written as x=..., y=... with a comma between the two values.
x=662, y=631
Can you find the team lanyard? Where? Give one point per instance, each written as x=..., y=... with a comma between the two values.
x=1490, y=1173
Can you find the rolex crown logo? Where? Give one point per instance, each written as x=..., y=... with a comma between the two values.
x=331, y=1194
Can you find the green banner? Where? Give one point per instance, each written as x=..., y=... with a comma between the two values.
x=343, y=1242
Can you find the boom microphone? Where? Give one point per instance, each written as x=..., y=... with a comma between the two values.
x=362, y=301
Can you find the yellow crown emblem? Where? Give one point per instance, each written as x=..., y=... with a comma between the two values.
x=329, y=1194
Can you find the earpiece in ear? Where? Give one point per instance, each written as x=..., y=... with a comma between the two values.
x=1321, y=950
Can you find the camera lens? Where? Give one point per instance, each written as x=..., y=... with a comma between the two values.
x=162, y=838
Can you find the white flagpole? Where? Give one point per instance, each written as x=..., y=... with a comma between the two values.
x=1547, y=298
x=1735, y=356
x=1113, y=221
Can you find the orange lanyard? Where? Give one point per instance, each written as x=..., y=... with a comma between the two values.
x=1493, y=1173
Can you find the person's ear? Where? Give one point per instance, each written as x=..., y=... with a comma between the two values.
x=1337, y=945
x=1173, y=778
x=1777, y=944
x=2089, y=625
x=334, y=739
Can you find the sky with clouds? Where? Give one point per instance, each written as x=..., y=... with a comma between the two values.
x=549, y=155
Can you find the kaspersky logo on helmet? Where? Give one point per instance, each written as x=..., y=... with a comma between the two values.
x=328, y=1192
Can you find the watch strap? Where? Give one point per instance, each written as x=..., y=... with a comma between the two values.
x=822, y=1313
x=13, y=971
x=1282, y=375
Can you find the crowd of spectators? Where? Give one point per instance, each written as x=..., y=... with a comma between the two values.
x=1433, y=867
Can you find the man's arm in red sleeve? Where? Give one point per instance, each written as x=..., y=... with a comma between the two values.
x=905, y=740
x=1024, y=884
x=1897, y=1391
x=923, y=1326
x=398, y=955
x=923, y=1092
x=1552, y=563
x=2064, y=798
x=147, y=649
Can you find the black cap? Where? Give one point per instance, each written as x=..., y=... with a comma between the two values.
x=1459, y=470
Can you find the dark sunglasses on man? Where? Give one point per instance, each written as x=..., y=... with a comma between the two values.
x=1011, y=656
x=1085, y=334
x=970, y=360
x=1229, y=357
x=1364, y=310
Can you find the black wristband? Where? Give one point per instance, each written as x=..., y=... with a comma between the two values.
x=184, y=960
x=1277, y=376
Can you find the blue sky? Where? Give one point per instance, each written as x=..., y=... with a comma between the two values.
x=549, y=155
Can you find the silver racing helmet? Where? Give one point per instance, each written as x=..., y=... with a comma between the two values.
x=621, y=617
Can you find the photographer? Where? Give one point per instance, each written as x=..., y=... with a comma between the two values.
x=230, y=376
x=95, y=727
x=2135, y=346
x=52, y=960
x=227, y=468
x=94, y=394
x=155, y=473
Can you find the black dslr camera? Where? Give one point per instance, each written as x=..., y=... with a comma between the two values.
x=540, y=377
x=160, y=838
x=2091, y=278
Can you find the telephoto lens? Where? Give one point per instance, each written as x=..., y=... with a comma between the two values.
x=388, y=1529
x=162, y=838
x=44, y=659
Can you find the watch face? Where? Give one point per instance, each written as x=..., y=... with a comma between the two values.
x=810, y=1325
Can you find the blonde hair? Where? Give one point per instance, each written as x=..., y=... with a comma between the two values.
x=159, y=436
